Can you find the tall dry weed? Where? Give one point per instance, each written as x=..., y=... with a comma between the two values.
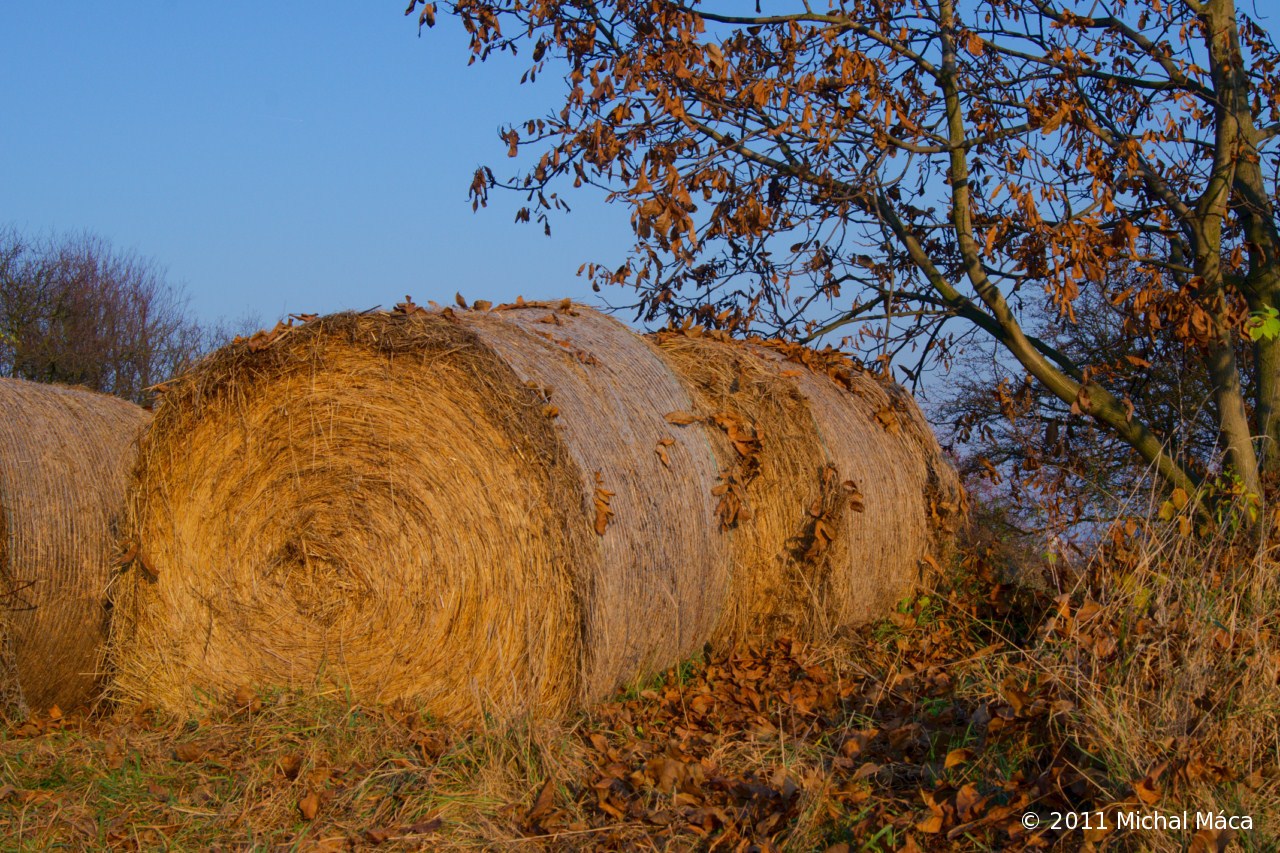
x=1168, y=647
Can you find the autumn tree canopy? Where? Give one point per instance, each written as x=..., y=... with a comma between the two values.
x=912, y=173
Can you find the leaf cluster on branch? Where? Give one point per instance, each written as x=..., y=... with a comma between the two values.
x=917, y=175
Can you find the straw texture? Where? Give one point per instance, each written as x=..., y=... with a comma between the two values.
x=372, y=503
x=777, y=474
x=847, y=498
x=659, y=571
x=505, y=511
x=65, y=455
x=883, y=546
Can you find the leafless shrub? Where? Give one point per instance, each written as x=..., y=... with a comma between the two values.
x=76, y=310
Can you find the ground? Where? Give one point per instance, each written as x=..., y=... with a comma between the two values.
x=974, y=717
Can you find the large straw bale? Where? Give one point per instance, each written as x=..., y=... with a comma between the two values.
x=461, y=508
x=375, y=503
x=659, y=570
x=846, y=491
x=504, y=510
x=65, y=455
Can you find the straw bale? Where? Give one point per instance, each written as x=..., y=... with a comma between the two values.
x=375, y=503
x=777, y=484
x=871, y=434
x=850, y=493
x=65, y=455
x=504, y=510
x=659, y=571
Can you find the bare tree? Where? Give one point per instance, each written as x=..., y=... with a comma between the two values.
x=75, y=310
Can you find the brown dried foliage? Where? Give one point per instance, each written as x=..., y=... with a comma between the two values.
x=921, y=175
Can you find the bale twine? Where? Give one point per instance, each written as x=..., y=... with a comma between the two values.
x=65, y=455
x=658, y=569
x=376, y=503
x=845, y=489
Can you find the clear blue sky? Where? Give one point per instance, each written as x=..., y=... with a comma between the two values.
x=280, y=157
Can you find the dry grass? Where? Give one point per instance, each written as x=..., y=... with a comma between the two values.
x=1170, y=648
x=654, y=769
x=936, y=729
x=65, y=454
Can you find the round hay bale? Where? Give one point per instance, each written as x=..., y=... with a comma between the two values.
x=65, y=456
x=777, y=484
x=845, y=487
x=877, y=438
x=495, y=511
x=365, y=502
x=658, y=570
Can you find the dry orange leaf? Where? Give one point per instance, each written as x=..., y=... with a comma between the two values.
x=855, y=496
x=543, y=804
x=888, y=419
x=378, y=836
x=290, y=765
x=1016, y=698
x=424, y=827
x=931, y=825
x=1211, y=840
x=661, y=450
x=309, y=805
x=1146, y=788
x=681, y=418
x=822, y=536
x=246, y=700
x=967, y=800
x=604, y=513
x=867, y=770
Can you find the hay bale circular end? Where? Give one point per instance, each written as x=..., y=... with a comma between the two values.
x=370, y=503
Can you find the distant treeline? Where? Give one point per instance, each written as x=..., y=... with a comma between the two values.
x=76, y=310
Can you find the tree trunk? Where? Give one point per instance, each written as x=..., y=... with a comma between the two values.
x=1231, y=87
